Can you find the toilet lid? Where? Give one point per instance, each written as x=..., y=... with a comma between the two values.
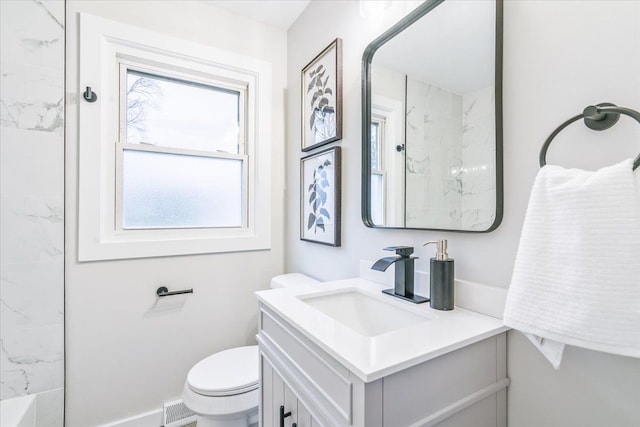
x=229, y=372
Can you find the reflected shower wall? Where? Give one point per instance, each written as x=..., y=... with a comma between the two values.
x=31, y=216
x=450, y=154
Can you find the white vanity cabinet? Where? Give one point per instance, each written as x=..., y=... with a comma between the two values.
x=459, y=388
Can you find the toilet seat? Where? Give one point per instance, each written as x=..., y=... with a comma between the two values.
x=238, y=406
x=228, y=373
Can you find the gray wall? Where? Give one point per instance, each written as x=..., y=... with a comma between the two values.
x=32, y=214
x=555, y=63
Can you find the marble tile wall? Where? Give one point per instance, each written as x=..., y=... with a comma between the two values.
x=478, y=156
x=32, y=208
x=449, y=158
x=433, y=156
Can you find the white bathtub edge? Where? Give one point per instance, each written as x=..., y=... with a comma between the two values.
x=18, y=411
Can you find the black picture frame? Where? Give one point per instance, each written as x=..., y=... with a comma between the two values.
x=320, y=197
x=321, y=98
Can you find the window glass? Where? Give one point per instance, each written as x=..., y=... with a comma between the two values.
x=375, y=146
x=161, y=190
x=168, y=112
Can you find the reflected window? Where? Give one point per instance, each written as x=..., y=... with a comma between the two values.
x=377, y=170
x=375, y=145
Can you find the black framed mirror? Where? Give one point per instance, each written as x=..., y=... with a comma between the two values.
x=432, y=120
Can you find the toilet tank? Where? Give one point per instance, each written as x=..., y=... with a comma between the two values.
x=293, y=280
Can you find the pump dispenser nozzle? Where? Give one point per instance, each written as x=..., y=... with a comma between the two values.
x=442, y=254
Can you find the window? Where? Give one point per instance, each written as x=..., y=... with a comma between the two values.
x=181, y=152
x=387, y=161
x=174, y=156
x=377, y=170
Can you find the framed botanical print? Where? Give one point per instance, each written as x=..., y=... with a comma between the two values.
x=320, y=197
x=322, y=98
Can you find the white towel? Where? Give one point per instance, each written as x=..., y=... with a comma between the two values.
x=576, y=278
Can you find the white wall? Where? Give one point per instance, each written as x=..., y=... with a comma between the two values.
x=126, y=354
x=559, y=57
x=32, y=194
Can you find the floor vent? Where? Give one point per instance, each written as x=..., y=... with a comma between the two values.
x=176, y=414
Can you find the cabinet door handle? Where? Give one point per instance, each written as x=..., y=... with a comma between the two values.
x=283, y=415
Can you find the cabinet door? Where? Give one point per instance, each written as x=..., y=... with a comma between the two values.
x=290, y=406
x=276, y=393
x=305, y=419
x=272, y=394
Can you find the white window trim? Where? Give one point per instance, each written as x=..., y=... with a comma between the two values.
x=102, y=45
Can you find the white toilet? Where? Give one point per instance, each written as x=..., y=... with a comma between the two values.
x=223, y=388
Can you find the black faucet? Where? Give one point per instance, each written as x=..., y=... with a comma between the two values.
x=403, y=286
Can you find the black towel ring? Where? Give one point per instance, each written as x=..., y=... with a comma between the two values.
x=597, y=117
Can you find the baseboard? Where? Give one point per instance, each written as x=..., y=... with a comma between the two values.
x=148, y=419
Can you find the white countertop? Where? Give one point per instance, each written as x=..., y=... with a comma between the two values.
x=373, y=357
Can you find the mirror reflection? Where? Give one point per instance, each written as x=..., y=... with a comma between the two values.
x=432, y=147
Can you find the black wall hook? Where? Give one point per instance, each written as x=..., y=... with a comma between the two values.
x=597, y=118
x=89, y=95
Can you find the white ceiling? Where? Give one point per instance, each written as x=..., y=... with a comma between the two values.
x=278, y=13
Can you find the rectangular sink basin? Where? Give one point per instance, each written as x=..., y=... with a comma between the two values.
x=363, y=313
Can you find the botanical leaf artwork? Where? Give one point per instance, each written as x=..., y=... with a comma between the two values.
x=322, y=116
x=317, y=192
x=320, y=197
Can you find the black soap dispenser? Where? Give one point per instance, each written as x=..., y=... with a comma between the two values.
x=441, y=278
